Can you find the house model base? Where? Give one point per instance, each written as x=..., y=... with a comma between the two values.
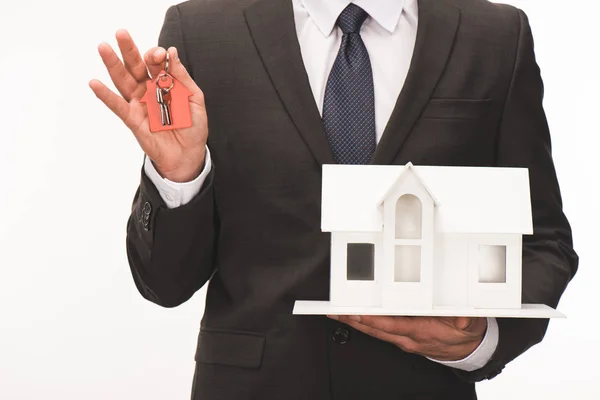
x=526, y=311
x=427, y=241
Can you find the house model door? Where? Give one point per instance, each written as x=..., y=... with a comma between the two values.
x=408, y=245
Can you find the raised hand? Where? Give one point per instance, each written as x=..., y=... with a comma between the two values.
x=178, y=155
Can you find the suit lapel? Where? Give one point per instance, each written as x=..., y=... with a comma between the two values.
x=437, y=27
x=272, y=27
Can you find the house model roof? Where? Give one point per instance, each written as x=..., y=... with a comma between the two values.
x=468, y=199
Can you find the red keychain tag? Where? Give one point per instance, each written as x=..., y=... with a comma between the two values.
x=168, y=103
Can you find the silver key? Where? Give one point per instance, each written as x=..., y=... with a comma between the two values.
x=163, y=98
x=161, y=103
x=164, y=101
x=166, y=105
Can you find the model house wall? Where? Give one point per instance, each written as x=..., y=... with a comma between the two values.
x=411, y=251
x=477, y=271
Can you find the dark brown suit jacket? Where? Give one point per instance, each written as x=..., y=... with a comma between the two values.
x=473, y=97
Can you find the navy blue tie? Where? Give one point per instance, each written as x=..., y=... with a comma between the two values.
x=349, y=104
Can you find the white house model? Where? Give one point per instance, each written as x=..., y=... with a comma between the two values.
x=423, y=240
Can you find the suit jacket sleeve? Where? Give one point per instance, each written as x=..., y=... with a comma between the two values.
x=170, y=251
x=549, y=261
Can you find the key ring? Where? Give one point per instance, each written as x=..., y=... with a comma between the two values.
x=165, y=75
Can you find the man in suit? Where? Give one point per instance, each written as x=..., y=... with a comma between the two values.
x=291, y=85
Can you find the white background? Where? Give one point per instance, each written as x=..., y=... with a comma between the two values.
x=72, y=325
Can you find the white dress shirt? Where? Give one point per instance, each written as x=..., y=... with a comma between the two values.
x=392, y=24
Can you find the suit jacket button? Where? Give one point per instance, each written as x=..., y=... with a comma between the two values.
x=341, y=335
x=146, y=210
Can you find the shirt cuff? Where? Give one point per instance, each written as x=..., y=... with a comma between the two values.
x=482, y=354
x=176, y=194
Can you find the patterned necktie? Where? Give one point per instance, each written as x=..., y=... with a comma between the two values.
x=349, y=105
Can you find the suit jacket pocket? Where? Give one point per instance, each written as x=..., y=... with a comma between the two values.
x=231, y=348
x=457, y=108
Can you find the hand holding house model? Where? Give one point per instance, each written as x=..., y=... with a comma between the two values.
x=427, y=241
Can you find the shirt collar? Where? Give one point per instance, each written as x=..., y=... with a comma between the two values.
x=326, y=12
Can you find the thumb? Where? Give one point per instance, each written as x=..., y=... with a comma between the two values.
x=179, y=72
x=463, y=323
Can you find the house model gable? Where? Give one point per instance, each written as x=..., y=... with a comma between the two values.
x=407, y=172
x=426, y=240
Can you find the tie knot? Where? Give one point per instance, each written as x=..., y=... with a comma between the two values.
x=351, y=19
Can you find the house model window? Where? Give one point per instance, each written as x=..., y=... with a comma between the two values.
x=409, y=216
x=492, y=264
x=407, y=258
x=407, y=266
x=361, y=261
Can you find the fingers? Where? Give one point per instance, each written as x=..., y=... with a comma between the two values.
x=472, y=327
x=405, y=343
x=155, y=61
x=413, y=326
x=115, y=103
x=464, y=324
x=132, y=114
x=405, y=326
x=125, y=83
x=416, y=328
x=131, y=56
